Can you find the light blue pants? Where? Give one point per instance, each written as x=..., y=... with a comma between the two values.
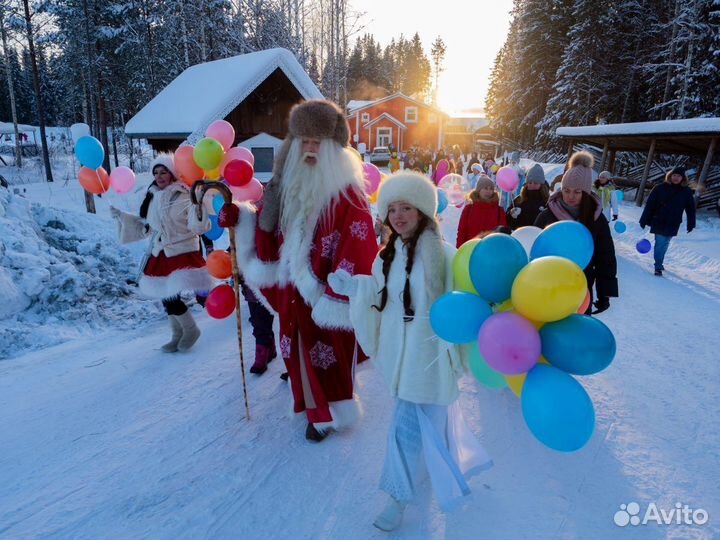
x=662, y=243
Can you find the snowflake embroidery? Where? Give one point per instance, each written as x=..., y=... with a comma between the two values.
x=347, y=266
x=330, y=244
x=285, y=346
x=322, y=355
x=359, y=229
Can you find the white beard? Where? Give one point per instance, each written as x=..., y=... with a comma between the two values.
x=300, y=200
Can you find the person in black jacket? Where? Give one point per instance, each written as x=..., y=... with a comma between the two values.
x=576, y=202
x=664, y=210
x=532, y=200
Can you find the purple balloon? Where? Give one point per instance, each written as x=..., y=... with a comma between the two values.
x=509, y=343
x=643, y=246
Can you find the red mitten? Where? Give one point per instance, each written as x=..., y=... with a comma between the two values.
x=228, y=215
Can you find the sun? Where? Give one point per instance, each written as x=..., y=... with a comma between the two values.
x=457, y=92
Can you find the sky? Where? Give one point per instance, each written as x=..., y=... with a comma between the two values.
x=473, y=33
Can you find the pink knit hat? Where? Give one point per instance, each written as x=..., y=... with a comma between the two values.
x=579, y=173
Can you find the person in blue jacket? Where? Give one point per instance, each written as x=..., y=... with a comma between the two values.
x=664, y=212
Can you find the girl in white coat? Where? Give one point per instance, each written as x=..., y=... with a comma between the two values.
x=390, y=313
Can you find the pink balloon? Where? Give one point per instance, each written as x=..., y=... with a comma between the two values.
x=223, y=132
x=509, y=343
x=122, y=179
x=507, y=178
x=372, y=177
x=457, y=198
x=252, y=191
x=238, y=152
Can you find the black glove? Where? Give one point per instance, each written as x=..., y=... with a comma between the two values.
x=601, y=304
x=615, y=216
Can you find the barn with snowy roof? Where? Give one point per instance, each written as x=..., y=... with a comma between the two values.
x=254, y=92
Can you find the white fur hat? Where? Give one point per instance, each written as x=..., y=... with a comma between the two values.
x=411, y=187
x=167, y=161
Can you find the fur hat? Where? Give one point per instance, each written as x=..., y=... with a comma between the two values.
x=536, y=175
x=678, y=170
x=484, y=181
x=579, y=173
x=319, y=119
x=413, y=188
x=167, y=161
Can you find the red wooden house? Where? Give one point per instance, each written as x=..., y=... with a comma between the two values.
x=398, y=120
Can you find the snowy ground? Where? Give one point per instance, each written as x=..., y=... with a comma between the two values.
x=104, y=436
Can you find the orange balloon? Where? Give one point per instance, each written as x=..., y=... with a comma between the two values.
x=219, y=264
x=186, y=167
x=94, y=181
x=586, y=304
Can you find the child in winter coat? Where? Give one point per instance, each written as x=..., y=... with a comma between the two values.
x=483, y=213
x=576, y=202
x=168, y=216
x=474, y=175
x=533, y=199
x=605, y=189
x=664, y=210
x=394, y=163
x=390, y=313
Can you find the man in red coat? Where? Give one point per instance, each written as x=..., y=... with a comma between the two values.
x=314, y=220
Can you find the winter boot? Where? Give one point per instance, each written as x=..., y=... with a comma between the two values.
x=172, y=345
x=262, y=358
x=391, y=516
x=190, y=331
x=315, y=435
x=658, y=272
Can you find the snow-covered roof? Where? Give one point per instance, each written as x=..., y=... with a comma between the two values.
x=660, y=127
x=366, y=104
x=210, y=91
x=357, y=104
x=8, y=127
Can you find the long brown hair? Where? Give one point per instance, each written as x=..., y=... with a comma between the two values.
x=544, y=192
x=588, y=207
x=387, y=254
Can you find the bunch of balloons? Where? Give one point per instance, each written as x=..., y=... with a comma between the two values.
x=454, y=187
x=92, y=176
x=373, y=178
x=220, y=303
x=518, y=311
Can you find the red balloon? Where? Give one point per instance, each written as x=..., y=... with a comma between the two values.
x=220, y=303
x=238, y=172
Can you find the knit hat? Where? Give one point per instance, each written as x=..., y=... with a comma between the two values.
x=476, y=168
x=413, y=188
x=536, y=175
x=680, y=171
x=605, y=174
x=515, y=157
x=579, y=173
x=167, y=161
x=484, y=181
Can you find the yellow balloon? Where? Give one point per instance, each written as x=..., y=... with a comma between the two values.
x=461, y=266
x=212, y=174
x=507, y=305
x=373, y=198
x=549, y=289
x=516, y=382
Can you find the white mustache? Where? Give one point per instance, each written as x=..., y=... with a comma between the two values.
x=309, y=154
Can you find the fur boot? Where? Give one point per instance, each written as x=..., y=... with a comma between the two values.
x=190, y=331
x=391, y=516
x=172, y=345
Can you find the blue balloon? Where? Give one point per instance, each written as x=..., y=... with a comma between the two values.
x=643, y=246
x=568, y=239
x=89, y=151
x=578, y=344
x=442, y=201
x=217, y=203
x=620, y=227
x=557, y=409
x=216, y=231
x=457, y=316
x=620, y=195
x=494, y=263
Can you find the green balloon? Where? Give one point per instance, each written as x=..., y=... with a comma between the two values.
x=481, y=370
x=208, y=153
x=461, y=266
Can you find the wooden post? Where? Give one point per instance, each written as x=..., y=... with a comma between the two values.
x=604, y=155
x=706, y=166
x=611, y=161
x=641, y=190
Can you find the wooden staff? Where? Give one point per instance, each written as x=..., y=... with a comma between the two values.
x=202, y=187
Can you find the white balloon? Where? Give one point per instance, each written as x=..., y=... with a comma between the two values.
x=79, y=130
x=526, y=236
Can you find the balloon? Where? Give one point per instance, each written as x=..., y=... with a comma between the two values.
x=94, y=181
x=557, y=410
x=238, y=172
x=252, y=191
x=457, y=198
x=223, y=132
x=509, y=343
x=372, y=199
x=457, y=316
x=122, y=179
x=461, y=266
x=185, y=165
x=586, y=303
x=219, y=264
x=579, y=344
x=208, y=154
x=620, y=227
x=620, y=195
x=549, y=289
x=90, y=152
x=494, y=263
x=494, y=169
x=526, y=236
x=220, y=302
x=372, y=177
x=212, y=174
x=568, y=239
x=451, y=182
x=516, y=382
x=216, y=231
x=643, y=246
x=79, y=130
x=217, y=203
x=480, y=369
x=507, y=179
x=442, y=201
x=238, y=152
